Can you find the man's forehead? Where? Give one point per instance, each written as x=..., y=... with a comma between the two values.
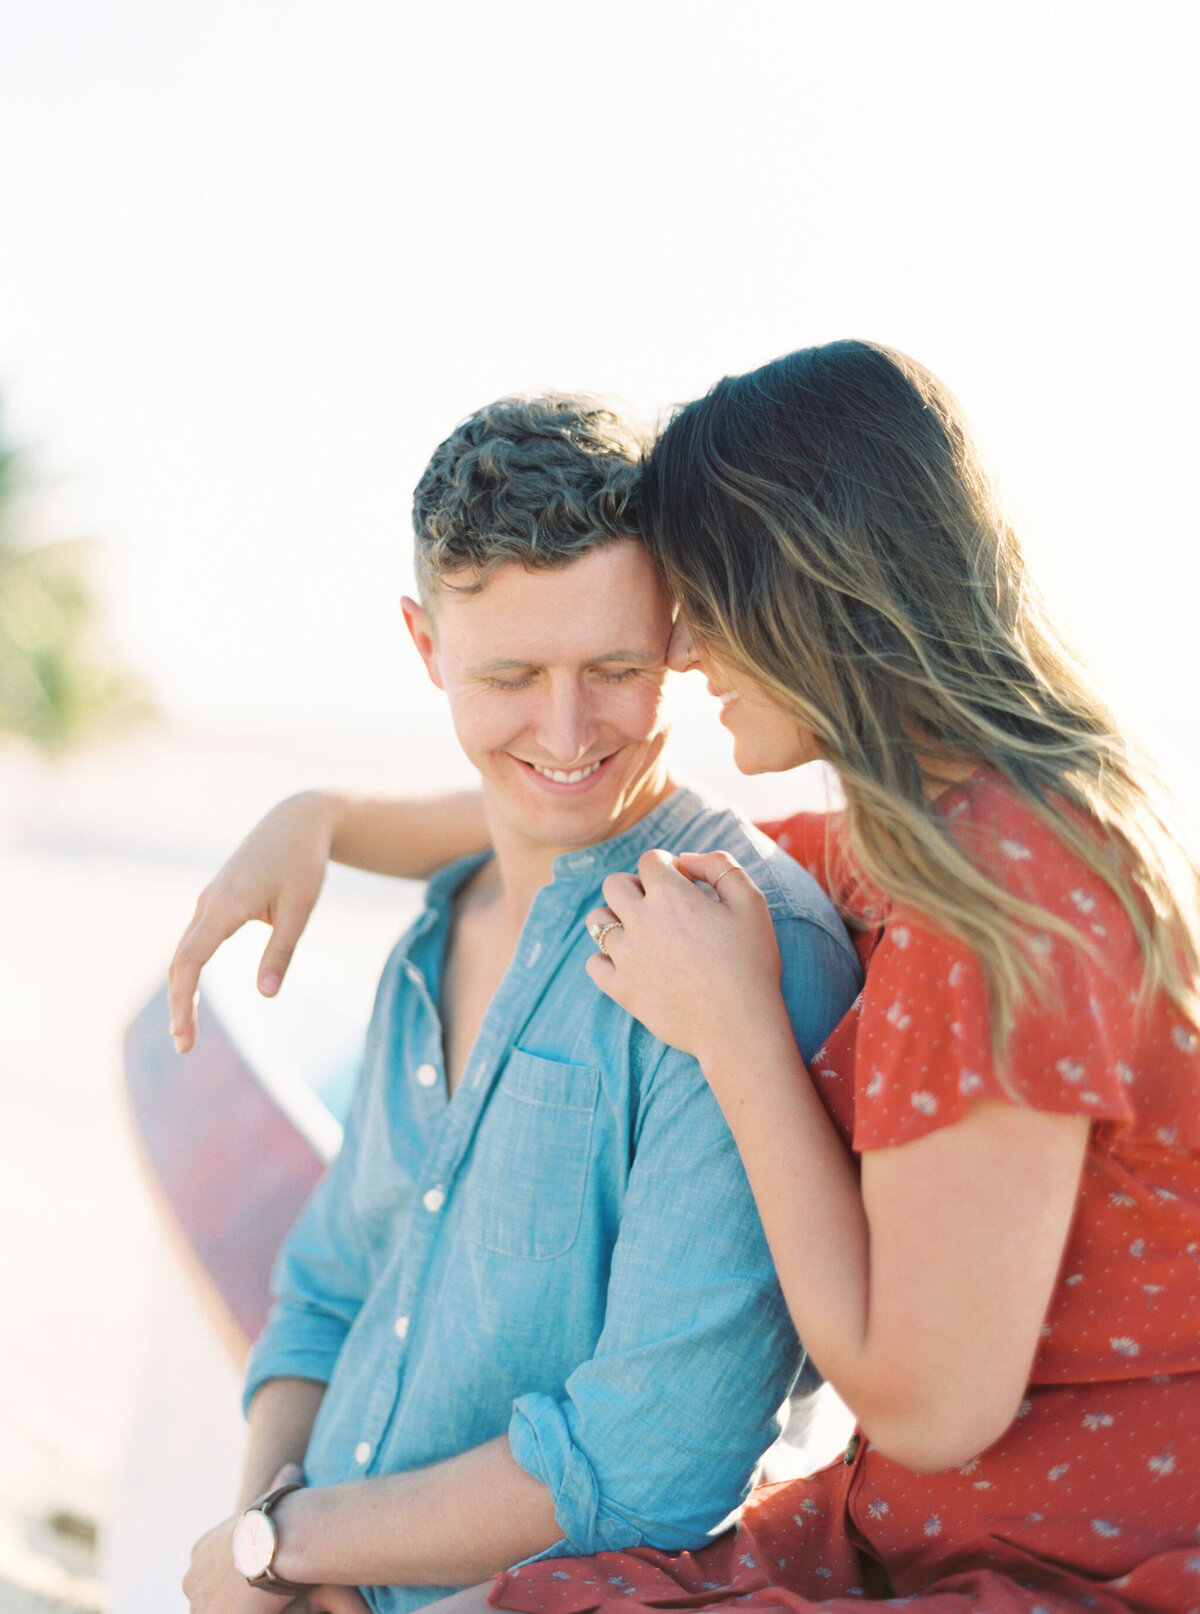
x=615, y=561
x=603, y=606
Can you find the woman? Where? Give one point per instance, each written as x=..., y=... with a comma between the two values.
x=984, y=1200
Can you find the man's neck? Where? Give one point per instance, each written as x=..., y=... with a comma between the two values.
x=524, y=866
x=490, y=911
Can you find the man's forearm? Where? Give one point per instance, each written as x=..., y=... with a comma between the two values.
x=451, y=1524
x=281, y=1420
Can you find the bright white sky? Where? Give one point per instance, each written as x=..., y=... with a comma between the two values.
x=258, y=256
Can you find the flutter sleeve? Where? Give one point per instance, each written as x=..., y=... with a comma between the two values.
x=803, y=836
x=924, y=1052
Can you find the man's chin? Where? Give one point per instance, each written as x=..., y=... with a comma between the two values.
x=566, y=828
x=569, y=817
x=564, y=823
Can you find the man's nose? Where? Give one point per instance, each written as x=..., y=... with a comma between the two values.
x=568, y=727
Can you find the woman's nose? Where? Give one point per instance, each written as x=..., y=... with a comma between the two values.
x=681, y=647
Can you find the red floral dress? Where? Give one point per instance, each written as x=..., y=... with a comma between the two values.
x=1092, y=1497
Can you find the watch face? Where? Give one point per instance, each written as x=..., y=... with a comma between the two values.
x=253, y=1543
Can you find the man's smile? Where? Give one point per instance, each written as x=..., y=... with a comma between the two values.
x=566, y=778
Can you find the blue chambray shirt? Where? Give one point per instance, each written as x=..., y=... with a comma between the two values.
x=566, y=1249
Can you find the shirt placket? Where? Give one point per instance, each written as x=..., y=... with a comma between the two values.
x=546, y=931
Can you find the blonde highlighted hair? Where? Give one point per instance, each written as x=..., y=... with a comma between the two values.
x=830, y=529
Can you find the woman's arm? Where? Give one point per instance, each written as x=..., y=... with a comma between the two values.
x=919, y=1286
x=276, y=873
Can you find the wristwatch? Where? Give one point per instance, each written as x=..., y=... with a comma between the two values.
x=255, y=1540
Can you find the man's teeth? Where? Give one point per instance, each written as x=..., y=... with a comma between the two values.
x=561, y=778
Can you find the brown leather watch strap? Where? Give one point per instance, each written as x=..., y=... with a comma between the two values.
x=267, y=1502
x=269, y=1581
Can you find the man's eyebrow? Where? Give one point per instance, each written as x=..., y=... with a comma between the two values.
x=640, y=658
x=485, y=667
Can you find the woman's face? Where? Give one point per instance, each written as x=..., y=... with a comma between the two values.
x=766, y=739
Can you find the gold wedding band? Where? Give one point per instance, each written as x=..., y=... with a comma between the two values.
x=732, y=869
x=601, y=931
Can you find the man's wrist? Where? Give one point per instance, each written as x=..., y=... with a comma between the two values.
x=291, y=1518
x=258, y=1539
x=315, y=1529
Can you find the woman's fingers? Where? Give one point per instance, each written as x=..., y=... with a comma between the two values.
x=213, y=924
x=274, y=876
x=287, y=927
x=712, y=868
x=621, y=892
x=682, y=963
x=196, y=946
x=603, y=927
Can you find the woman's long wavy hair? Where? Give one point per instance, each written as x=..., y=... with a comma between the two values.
x=831, y=530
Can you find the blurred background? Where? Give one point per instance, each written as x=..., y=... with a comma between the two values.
x=256, y=260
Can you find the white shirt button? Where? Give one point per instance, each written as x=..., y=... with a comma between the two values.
x=401, y=1327
x=427, y=1075
x=362, y=1451
x=433, y=1199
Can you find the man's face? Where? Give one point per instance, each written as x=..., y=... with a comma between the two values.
x=555, y=682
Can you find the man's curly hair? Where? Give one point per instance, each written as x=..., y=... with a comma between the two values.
x=538, y=481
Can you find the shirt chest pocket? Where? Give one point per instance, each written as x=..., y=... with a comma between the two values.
x=526, y=1179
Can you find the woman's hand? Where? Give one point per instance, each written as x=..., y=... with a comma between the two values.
x=274, y=876
x=276, y=873
x=692, y=965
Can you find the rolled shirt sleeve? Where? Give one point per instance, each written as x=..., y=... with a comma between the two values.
x=659, y=1433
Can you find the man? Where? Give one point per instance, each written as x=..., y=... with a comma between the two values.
x=530, y=1309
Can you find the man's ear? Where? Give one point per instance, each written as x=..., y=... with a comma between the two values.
x=416, y=619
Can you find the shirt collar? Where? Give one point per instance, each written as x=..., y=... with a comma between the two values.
x=444, y=884
x=661, y=826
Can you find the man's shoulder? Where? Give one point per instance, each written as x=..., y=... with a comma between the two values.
x=791, y=892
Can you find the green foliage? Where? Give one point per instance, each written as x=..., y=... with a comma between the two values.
x=56, y=686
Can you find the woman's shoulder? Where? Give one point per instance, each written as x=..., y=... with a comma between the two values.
x=803, y=836
x=1022, y=847
x=1085, y=1038
x=817, y=841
